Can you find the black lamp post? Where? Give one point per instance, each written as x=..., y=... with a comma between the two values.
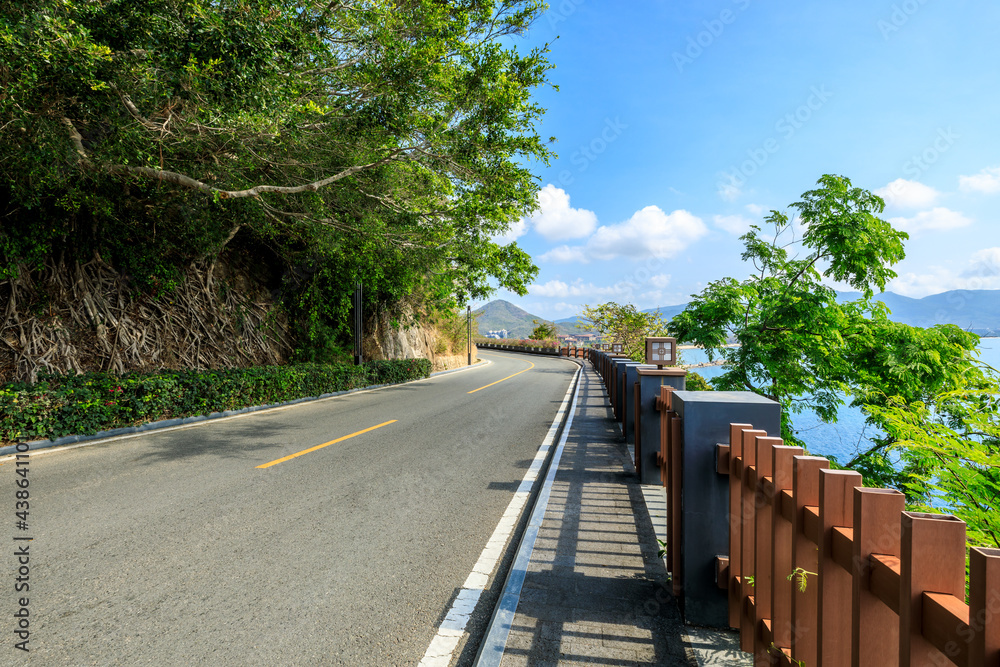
x=468, y=324
x=357, y=324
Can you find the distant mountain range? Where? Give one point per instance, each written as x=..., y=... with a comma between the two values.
x=975, y=310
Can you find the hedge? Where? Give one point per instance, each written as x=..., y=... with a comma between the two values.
x=83, y=404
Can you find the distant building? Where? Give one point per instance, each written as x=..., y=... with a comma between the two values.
x=501, y=333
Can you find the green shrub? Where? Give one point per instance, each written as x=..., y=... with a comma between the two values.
x=83, y=404
x=695, y=382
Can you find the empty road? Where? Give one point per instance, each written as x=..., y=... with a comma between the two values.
x=179, y=548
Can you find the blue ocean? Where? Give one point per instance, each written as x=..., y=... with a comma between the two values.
x=849, y=435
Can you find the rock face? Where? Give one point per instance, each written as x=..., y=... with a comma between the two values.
x=386, y=339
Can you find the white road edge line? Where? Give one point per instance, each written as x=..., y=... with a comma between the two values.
x=492, y=648
x=125, y=436
x=452, y=628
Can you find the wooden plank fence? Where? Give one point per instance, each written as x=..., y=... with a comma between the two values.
x=823, y=572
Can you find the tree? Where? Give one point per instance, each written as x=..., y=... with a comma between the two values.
x=405, y=121
x=543, y=331
x=626, y=325
x=952, y=446
x=377, y=141
x=801, y=347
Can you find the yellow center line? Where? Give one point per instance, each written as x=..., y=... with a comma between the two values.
x=326, y=444
x=506, y=378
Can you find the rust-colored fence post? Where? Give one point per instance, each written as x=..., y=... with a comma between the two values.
x=984, y=607
x=748, y=616
x=805, y=492
x=782, y=517
x=874, y=624
x=736, y=521
x=763, y=555
x=932, y=560
x=834, y=581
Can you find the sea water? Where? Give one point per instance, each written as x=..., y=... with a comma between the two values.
x=849, y=435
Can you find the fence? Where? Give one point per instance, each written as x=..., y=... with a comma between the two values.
x=577, y=352
x=820, y=571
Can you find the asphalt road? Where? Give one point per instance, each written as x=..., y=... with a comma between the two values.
x=175, y=549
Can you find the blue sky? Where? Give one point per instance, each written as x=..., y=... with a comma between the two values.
x=678, y=124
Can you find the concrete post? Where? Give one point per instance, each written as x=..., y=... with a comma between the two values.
x=704, y=530
x=647, y=430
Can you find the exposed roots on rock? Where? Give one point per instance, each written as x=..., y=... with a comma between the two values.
x=82, y=317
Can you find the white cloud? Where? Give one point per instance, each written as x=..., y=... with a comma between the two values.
x=936, y=219
x=561, y=290
x=729, y=190
x=565, y=253
x=660, y=280
x=517, y=229
x=555, y=219
x=566, y=308
x=737, y=225
x=987, y=181
x=756, y=209
x=902, y=193
x=648, y=233
x=984, y=264
x=982, y=271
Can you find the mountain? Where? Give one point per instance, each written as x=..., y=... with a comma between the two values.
x=502, y=314
x=977, y=310
x=569, y=326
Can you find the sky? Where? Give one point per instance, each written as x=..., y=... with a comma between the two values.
x=679, y=124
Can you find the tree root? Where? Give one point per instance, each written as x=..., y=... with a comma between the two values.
x=80, y=318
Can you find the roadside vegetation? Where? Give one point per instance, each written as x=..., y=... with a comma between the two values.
x=197, y=185
x=934, y=406
x=84, y=404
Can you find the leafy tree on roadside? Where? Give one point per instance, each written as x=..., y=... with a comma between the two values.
x=377, y=141
x=799, y=346
x=954, y=443
x=543, y=331
x=624, y=324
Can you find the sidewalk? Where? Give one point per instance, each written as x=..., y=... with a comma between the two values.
x=596, y=592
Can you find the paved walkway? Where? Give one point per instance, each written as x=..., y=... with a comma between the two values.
x=596, y=592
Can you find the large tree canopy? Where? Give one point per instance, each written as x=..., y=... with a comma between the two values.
x=801, y=346
x=397, y=129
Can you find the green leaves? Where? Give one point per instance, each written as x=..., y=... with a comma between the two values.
x=625, y=325
x=84, y=404
x=936, y=407
x=796, y=343
x=409, y=124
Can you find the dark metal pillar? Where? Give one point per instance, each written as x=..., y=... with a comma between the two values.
x=358, y=319
x=468, y=323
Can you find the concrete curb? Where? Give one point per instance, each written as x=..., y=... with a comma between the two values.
x=165, y=424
